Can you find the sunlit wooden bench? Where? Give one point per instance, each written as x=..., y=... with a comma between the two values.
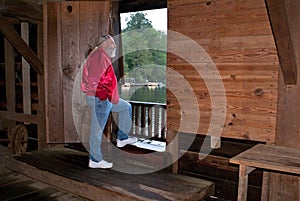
x=266, y=157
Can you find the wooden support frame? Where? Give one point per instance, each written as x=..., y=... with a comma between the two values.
x=173, y=149
x=26, y=72
x=244, y=171
x=15, y=39
x=21, y=44
x=265, y=186
x=13, y=116
x=266, y=157
x=42, y=139
x=27, y=10
x=281, y=31
x=67, y=37
x=10, y=84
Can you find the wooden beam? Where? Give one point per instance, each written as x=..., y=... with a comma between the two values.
x=10, y=76
x=116, y=31
x=11, y=20
x=26, y=72
x=10, y=82
x=173, y=149
x=14, y=116
x=29, y=10
x=281, y=30
x=42, y=138
x=15, y=39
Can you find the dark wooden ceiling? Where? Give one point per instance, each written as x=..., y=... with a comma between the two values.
x=139, y=5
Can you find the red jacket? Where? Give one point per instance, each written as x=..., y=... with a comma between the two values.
x=98, y=77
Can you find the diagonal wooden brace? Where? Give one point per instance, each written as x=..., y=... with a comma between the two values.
x=15, y=39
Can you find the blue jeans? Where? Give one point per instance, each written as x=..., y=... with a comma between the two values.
x=100, y=111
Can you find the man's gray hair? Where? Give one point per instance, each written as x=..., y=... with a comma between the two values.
x=103, y=38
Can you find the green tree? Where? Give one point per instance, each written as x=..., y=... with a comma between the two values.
x=143, y=46
x=138, y=21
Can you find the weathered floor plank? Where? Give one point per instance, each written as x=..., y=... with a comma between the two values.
x=16, y=186
x=67, y=169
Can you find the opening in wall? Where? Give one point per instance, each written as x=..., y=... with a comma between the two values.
x=144, y=41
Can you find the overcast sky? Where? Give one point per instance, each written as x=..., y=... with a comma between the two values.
x=158, y=17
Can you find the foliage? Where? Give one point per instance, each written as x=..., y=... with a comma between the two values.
x=144, y=49
x=148, y=73
x=138, y=21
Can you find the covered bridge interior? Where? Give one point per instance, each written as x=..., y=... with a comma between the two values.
x=240, y=62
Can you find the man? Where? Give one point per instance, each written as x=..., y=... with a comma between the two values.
x=99, y=83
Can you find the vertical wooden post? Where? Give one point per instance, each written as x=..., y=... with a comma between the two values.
x=10, y=84
x=53, y=75
x=265, y=186
x=42, y=138
x=173, y=149
x=243, y=184
x=115, y=23
x=26, y=73
x=287, y=133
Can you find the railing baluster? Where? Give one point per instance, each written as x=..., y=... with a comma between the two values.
x=143, y=121
x=148, y=120
x=163, y=123
x=132, y=119
x=136, y=121
x=156, y=122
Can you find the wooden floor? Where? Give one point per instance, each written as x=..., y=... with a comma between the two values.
x=16, y=186
x=67, y=169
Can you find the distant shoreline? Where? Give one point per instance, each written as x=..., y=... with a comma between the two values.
x=150, y=84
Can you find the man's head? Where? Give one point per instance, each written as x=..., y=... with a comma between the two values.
x=108, y=44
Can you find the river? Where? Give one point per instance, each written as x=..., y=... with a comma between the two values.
x=153, y=94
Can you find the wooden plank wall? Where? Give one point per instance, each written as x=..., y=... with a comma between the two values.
x=70, y=61
x=72, y=28
x=238, y=37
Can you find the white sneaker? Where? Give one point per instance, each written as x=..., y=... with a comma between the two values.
x=102, y=164
x=122, y=143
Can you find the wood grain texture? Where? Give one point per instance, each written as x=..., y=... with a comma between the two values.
x=273, y=158
x=75, y=27
x=53, y=167
x=282, y=33
x=70, y=62
x=53, y=73
x=270, y=157
x=26, y=73
x=236, y=38
x=41, y=111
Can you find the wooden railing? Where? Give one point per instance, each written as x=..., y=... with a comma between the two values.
x=149, y=120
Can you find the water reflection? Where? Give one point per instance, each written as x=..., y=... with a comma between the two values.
x=154, y=94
